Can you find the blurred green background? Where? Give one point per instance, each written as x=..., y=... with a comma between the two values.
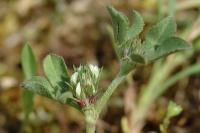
x=77, y=30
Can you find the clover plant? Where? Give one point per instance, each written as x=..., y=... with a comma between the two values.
x=80, y=90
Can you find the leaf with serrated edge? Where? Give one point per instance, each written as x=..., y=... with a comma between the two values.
x=170, y=45
x=137, y=26
x=161, y=31
x=56, y=72
x=39, y=85
x=120, y=25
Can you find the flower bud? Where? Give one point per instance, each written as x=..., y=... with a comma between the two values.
x=74, y=77
x=95, y=70
x=84, y=81
x=78, y=89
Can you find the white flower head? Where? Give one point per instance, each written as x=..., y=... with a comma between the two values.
x=94, y=69
x=78, y=89
x=74, y=77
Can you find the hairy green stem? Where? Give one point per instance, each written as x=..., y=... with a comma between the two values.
x=91, y=117
x=103, y=100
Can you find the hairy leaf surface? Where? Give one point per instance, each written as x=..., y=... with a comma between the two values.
x=39, y=85
x=170, y=45
x=137, y=26
x=161, y=31
x=56, y=72
x=120, y=25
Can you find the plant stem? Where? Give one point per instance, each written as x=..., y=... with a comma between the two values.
x=107, y=94
x=91, y=117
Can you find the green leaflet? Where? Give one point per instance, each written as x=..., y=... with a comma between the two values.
x=56, y=72
x=28, y=61
x=122, y=31
x=29, y=67
x=120, y=25
x=168, y=46
x=161, y=31
x=39, y=85
x=137, y=26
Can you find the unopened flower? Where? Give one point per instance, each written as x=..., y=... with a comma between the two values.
x=84, y=81
x=95, y=70
x=78, y=89
x=74, y=77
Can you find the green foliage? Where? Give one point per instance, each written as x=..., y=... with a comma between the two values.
x=29, y=67
x=193, y=69
x=28, y=61
x=172, y=7
x=39, y=85
x=56, y=72
x=161, y=31
x=170, y=45
x=153, y=90
x=172, y=110
x=120, y=25
x=159, y=41
x=137, y=27
x=56, y=87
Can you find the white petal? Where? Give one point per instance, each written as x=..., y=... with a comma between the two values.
x=94, y=69
x=74, y=77
x=78, y=89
